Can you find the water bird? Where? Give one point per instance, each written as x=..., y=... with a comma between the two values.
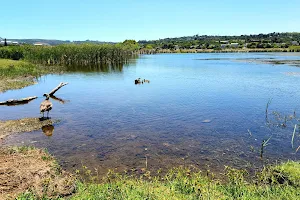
x=46, y=105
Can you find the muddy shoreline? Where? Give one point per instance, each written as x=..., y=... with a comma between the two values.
x=23, y=125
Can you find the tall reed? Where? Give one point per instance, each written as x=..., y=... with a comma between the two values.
x=71, y=54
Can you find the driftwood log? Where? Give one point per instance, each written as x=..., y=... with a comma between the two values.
x=12, y=102
x=57, y=88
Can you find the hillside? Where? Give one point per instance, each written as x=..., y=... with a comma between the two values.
x=53, y=42
x=270, y=40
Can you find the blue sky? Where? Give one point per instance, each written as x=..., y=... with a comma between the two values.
x=118, y=20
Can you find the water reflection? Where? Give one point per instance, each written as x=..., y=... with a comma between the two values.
x=48, y=130
x=62, y=101
x=96, y=68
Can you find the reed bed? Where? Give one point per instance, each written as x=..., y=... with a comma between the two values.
x=71, y=54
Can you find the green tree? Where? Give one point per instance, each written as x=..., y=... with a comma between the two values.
x=130, y=42
x=149, y=46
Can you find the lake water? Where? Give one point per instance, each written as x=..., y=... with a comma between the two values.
x=198, y=109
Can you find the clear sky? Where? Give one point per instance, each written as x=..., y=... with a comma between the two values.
x=117, y=20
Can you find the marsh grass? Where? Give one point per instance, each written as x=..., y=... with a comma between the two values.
x=71, y=54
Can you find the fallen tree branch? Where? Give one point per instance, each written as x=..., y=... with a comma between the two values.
x=11, y=102
x=57, y=88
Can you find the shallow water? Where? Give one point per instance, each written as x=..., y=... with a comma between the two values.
x=109, y=122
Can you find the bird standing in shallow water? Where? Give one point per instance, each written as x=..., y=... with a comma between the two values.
x=46, y=105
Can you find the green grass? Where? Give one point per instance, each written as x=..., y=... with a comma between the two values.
x=16, y=74
x=294, y=48
x=14, y=68
x=183, y=183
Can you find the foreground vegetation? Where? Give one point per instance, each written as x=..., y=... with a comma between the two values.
x=275, y=182
x=279, y=182
x=30, y=169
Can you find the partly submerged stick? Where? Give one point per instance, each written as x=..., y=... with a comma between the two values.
x=297, y=149
x=57, y=88
x=17, y=101
x=292, y=142
x=267, y=107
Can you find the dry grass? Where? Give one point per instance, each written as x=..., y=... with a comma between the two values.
x=29, y=169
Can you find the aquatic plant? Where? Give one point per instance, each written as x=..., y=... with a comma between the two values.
x=292, y=142
x=263, y=146
x=267, y=108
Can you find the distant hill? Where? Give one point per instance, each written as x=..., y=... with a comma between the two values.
x=269, y=40
x=55, y=42
x=215, y=41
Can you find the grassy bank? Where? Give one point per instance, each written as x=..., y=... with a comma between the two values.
x=17, y=74
x=276, y=182
x=279, y=182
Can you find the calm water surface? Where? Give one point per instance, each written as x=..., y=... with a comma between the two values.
x=109, y=122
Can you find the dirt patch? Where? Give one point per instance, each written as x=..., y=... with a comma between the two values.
x=28, y=169
x=23, y=125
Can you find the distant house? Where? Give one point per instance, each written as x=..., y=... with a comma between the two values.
x=295, y=43
x=234, y=45
x=41, y=44
x=7, y=42
x=224, y=42
x=223, y=46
